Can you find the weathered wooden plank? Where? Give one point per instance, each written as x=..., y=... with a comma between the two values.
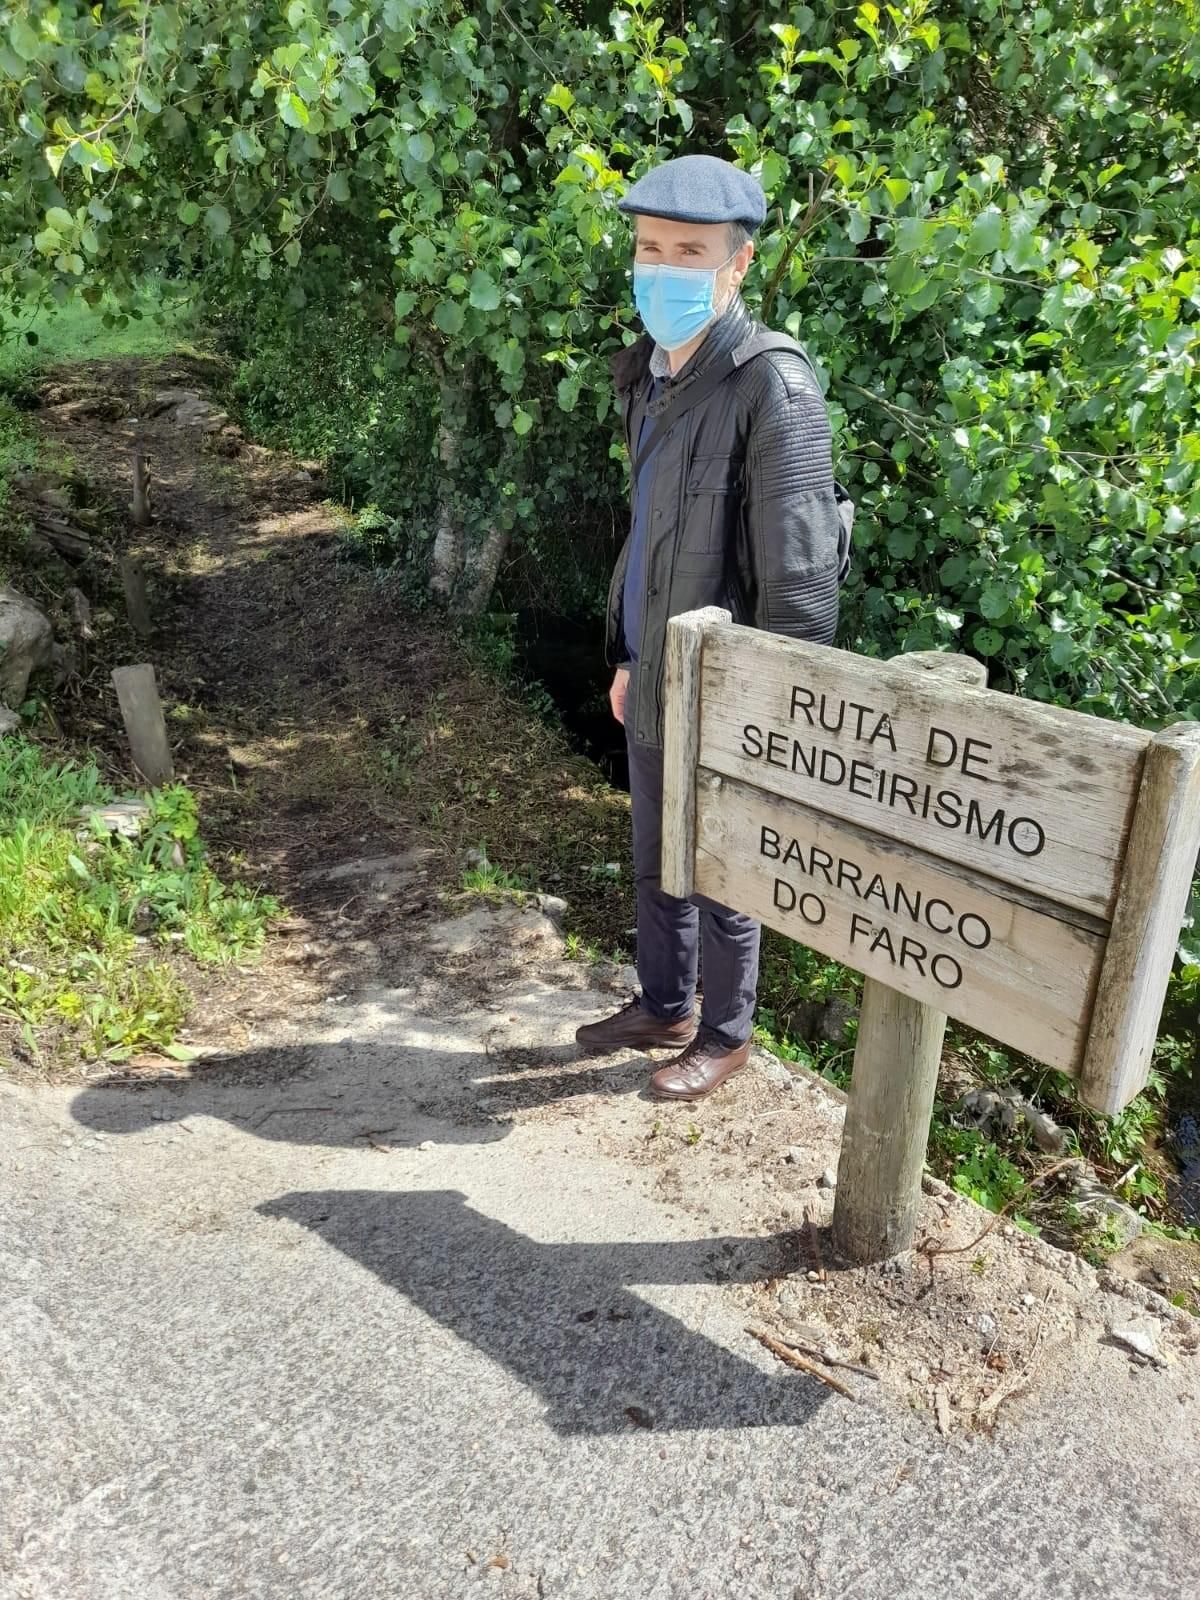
x=966, y=944
x=1025, y=793
x=142, y=713
x=140, y=505
x=681, y=735
x=1150, y=908
x=137, y=601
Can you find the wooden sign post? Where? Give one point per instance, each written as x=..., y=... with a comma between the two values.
x=1019, y=867
x=145, y=725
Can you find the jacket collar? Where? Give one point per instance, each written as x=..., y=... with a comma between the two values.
x=631, y=365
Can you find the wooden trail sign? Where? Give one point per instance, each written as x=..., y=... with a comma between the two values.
x=1017, y=866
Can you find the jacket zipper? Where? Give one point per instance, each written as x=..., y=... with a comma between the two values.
x=622, y=567
x=680, y=497
x=652, y=464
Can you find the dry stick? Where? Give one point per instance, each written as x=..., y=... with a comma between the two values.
x=830, y=1361
x=285, y=1111
x=790, y=1358
x=928, y=1248
x=804, y=226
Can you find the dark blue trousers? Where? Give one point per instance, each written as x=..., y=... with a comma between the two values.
x=675, y=935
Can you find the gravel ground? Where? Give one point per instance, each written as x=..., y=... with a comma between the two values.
x=417, y=1301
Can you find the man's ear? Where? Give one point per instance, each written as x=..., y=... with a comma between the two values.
x=741, y=263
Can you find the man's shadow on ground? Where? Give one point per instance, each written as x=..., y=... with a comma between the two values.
x=562, y=1317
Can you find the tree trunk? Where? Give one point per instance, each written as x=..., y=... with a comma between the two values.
x=462, y=571
x=447, y=560
x=483, y=566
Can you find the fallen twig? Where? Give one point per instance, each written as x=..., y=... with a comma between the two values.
x=830, y=1361
x=373, y=1138
x=792, y=1358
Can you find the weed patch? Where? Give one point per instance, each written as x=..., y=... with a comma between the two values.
x=84, y=911
x=489, y=882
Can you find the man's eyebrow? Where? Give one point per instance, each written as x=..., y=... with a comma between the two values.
x=679, y=244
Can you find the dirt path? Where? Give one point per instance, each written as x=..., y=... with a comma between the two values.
x=392, y=1294
x=321, y=721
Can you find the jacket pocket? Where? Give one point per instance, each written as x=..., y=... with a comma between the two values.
x=708, y=505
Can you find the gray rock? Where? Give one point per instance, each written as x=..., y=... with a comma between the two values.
x=10, y=722
x=828, y=1179
x=822, y=1020
x=122, y=816
x=789, y=1301
x=794, y=1155
x=1140, y=1342
x=26, y=644
x=58, y=497
x=1096, y=1202
x=188, y=409
x=1047, y=1134
x=552, y=906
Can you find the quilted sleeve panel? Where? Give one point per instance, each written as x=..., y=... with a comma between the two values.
x=792, y=523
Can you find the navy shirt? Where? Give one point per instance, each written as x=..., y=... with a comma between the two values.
x=639, y=539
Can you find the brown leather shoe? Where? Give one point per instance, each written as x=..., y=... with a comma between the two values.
x=703, y=1067
x=634, y=1029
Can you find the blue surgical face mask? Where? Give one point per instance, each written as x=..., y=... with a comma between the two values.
x=675, y=303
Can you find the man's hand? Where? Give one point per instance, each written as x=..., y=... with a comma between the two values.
x=616, y=695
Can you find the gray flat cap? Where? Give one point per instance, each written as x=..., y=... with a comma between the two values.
x=698, y=189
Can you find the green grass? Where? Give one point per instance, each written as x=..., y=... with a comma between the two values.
x=75, y=332
x=82, y=912
x=489, y=882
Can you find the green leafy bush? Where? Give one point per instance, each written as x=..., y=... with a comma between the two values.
x=982, y=224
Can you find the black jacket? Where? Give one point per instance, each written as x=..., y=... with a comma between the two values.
x=741, y=511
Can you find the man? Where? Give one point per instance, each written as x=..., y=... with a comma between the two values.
x=733, y=504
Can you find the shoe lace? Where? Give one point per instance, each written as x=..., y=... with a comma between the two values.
x=690, y=1065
